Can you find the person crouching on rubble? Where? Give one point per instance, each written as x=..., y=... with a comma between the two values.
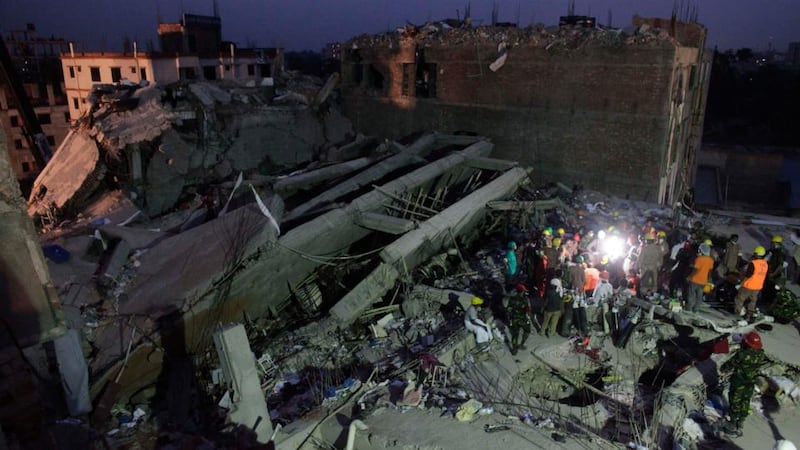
x=474, y=324
x=553, y=308
x=519, y=318
x=744, y=367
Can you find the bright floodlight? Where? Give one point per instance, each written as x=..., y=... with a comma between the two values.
x=614, y=247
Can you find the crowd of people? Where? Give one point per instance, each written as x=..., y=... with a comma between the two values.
x=561, y=273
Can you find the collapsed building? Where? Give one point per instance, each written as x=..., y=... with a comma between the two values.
x=611, y=109
x=238, y=261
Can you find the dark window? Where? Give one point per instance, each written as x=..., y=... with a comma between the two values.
x=426, y=80
x=187, y=73
x=266, y=70
x=71, y=72
x=26, y=167
x=116, y=74
x=51, y=140
x=143, y=73
x=14, y=121
x=18, y=144
x=227, y=68
x=210, y=72
x=375, y=78
x=251, y=69
x=408, y=80
x=358, y=73
x=66, y=117
x=133, y=70
x=192, y=43
x=44, y=119
x=95, y=73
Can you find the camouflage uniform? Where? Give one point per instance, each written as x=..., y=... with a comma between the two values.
x=745, y=364
x=519, y=309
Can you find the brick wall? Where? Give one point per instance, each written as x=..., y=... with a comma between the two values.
x=597, y=115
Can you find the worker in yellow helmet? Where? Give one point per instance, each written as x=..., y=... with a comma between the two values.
x=474, y=323
x=776, y=272
x=754, y=277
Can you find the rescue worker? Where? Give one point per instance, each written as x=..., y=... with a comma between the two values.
x=699, y=278
x=554, y=253
x=730, y=262
x=519, y=314
x=592, y=276
x=650, y=259
x=474, y=324
x=754, y=276
x=576, y=279
x=745, y=365
x=603, y=294
x=794, y=261
x=776, y=270
x=510, y=261
x=553, y=308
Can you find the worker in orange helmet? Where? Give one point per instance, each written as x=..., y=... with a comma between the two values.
x=744, y=366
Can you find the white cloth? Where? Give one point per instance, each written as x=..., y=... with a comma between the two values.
x=480, y=328
x=603, y=291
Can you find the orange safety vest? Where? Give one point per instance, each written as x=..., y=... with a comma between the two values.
x=756, y=281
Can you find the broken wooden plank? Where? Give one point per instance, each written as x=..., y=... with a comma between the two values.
x=491, y=164
x=385, y=223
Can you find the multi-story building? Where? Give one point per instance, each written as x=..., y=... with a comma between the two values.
x=36, y=61
x=191, y=50
x=332, y=50
x=602, y=108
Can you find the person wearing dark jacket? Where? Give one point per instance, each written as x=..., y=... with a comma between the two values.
x=553, y=307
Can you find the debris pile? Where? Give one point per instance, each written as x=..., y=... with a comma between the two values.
x=315, y=289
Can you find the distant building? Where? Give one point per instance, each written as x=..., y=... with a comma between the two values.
x=605, y=109
x=37, y=62
x=792, y=57
x=332, y=50
x=191, y=50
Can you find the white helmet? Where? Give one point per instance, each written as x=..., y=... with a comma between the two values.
x=555, y=282
x=783, y=444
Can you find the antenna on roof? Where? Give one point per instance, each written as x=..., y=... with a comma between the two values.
x=158, y=13
x=495, y=13
x=215, y=8
x=610, y=16
x=571, y=8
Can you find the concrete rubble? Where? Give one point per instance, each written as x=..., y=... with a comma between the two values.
x=330, y=271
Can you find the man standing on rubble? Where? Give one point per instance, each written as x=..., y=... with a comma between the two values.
x=745, y=365
x=519, y=318
x=474, y=324
x=553, y=307
x=730, y=263
x=650, y=259
x=776, y=270
x=701, y=269
x=576, y=278
x=754, y=276
x=511, y=264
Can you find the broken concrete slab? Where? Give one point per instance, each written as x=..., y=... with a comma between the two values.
x=385, y=223
x=289, y=185
x=238, y=363
x=353, y=304
x=71, y=175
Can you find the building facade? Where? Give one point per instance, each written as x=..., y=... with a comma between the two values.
x=36, y=61
x=186, y=55
x=622, y=113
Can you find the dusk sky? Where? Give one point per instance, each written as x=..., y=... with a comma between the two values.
x=307, y=24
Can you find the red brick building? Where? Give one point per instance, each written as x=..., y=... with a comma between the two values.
x=600, y=107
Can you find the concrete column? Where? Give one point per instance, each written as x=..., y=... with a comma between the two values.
x=30, y=304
